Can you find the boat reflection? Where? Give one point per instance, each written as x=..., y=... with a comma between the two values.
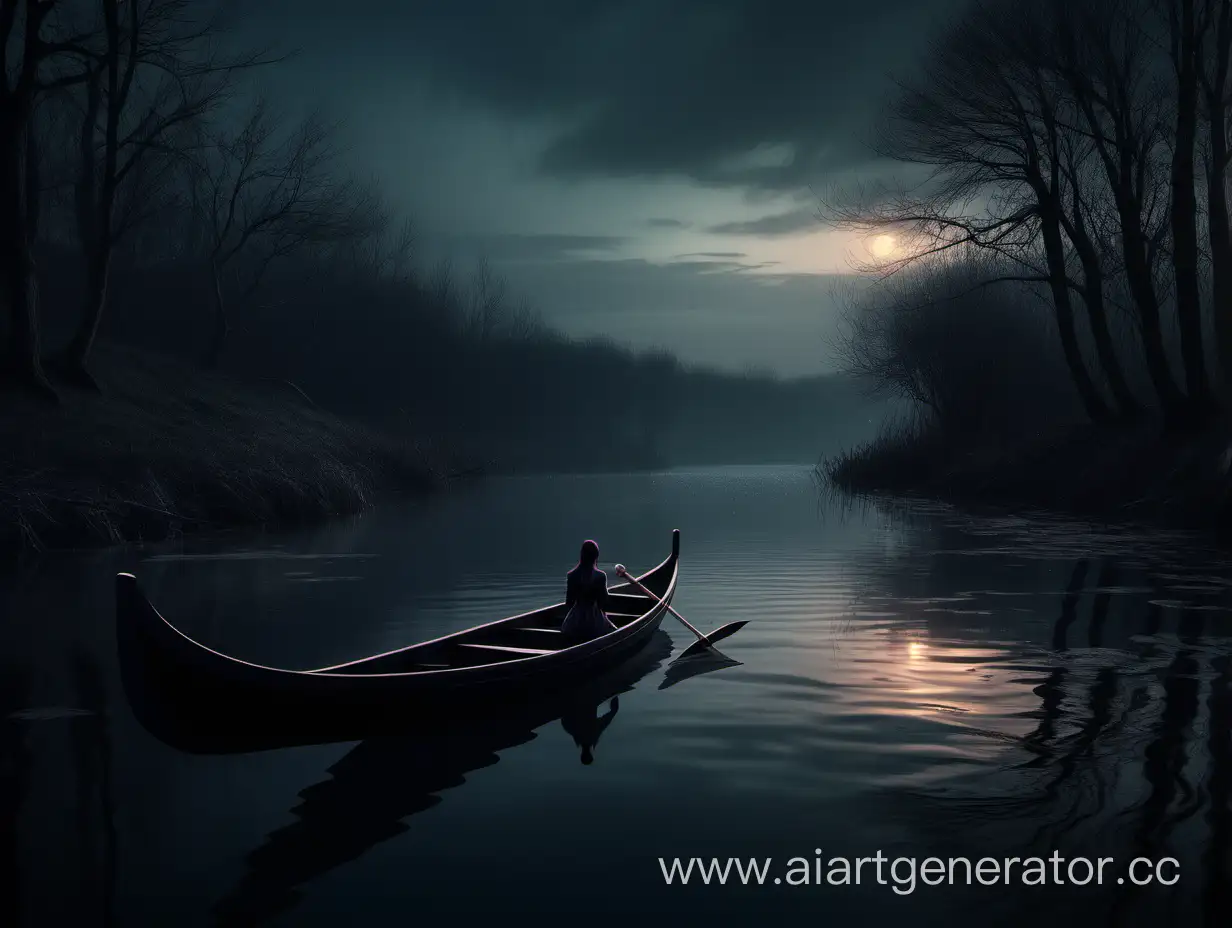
x=374, y=788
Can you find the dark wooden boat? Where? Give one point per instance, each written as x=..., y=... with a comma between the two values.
x=187, y=683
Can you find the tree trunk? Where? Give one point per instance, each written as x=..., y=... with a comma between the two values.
x=93, y=237
x=222, y=326
x=1050, y=226
x=1221, y=252
x=1183, y=217
x=18, y=283
x=103, y=211
x=25, y=370
x=73, y=362
x=1142, y=289
x=1093, y=297
x=1121, y=163
x=1217, y=199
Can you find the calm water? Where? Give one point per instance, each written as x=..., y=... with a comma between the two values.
x=918, y=683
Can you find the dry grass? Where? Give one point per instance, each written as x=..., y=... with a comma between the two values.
x=167, y=448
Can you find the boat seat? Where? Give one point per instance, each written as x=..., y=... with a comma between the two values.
x=629, y=597
x=556, y=631
x=506, y=649
x=614, y=616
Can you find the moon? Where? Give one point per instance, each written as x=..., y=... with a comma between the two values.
x=882, y=246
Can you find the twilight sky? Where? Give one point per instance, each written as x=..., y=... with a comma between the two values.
x=637, y=168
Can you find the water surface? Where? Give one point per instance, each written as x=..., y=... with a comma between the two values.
x=915, y=682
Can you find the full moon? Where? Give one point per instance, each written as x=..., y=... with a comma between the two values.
x=882, y=246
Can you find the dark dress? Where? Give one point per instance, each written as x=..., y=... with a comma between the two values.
x=586, y=599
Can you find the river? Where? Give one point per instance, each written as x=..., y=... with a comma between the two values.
x=912, y=681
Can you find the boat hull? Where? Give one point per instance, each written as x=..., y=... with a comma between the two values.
x=180, y=689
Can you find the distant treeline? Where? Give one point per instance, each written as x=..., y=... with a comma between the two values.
x=149, y=194
x=417, y=352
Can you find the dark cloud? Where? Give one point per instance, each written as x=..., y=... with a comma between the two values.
x=549, y=246
x=721, y=266
x=479, y=115
x=777, y=224
x=651, y=88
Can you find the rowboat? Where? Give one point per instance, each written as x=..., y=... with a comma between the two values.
x=187, y=683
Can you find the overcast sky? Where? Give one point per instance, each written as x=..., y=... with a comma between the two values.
x=636, y=168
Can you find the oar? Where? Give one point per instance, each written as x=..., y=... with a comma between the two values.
x=703, y=642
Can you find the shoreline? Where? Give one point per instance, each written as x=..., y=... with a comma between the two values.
x=166, y=451
x=1126, y=475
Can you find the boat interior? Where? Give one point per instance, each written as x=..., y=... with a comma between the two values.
x=533, y=634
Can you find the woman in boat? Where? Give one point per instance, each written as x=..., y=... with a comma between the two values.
x=586, y=597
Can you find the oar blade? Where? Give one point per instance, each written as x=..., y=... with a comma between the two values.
x=723, y=631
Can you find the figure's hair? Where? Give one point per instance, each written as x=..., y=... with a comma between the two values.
x=590, y=553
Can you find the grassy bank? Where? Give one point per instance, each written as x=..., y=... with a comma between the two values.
x=1111, y=474
x=167, y=448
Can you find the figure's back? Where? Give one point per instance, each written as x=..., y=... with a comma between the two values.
x=588, y=585
x=585, y=602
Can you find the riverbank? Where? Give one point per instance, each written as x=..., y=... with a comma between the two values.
x=1113, y=474
x=168, y=449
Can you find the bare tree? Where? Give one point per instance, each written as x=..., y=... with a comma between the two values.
x=489, y=311
x=977, y=359
x=1103, y=51
x=986, y=119
x=1213, y=54
x=153, y=75
x=441, y=291
x=381, y=255
x=264, y=192
x=488, y=302
x=1085, y=219
x=524, y=322
x=35, y=44
x=1184, y=35
x=1066, y=136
